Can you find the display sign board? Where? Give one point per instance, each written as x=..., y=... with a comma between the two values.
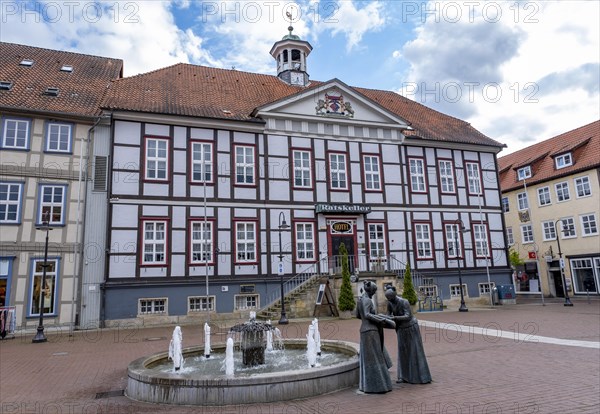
x=342, y=208
x=341, y=227
x=532, y=255
x=280, y=269
x=320, y=293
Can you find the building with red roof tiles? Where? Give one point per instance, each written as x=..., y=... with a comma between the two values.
x=551, y=203
x=228, y=189
x=49, y=127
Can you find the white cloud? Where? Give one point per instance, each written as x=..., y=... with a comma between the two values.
x=125, y=30
x=346, y=19
x=397, y=54
x=523, y=76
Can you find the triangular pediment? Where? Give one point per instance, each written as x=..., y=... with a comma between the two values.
x=332, y=102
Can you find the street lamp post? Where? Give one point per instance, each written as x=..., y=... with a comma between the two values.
x=282, y=225
x=39, y=336
x=461, y=228
x=562, y=265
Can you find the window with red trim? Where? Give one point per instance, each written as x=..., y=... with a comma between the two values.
x=156, y=159
x=372, y=171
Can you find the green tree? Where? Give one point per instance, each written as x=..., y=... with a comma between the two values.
x=346, y=300
x=408, y=291
x=514, y=258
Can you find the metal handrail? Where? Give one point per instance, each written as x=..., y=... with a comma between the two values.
x=332, y=265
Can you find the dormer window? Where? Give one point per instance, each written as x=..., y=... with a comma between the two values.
x=5, y=86
x=524, y=172
x=563, y=160
x=26, y=62
x=51, y=91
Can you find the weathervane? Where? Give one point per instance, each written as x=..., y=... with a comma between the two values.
x=288, y=14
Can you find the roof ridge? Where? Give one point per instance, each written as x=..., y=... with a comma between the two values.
x=60, y=51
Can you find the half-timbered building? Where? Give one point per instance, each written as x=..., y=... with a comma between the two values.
x=225, y=184
x=49, y=118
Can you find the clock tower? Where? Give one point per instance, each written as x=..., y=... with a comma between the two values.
x=291, y=53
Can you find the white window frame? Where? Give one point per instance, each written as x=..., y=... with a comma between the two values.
x=372, y=171
x=153, y=306
x=424, y=248
x=447, y=182
x=563, y=160
x=19, y=124
x=583, y=187
x=505, y=205
x=202, y=156
x=245, y=165
x=451, y=231
x=562, y=191
x=523, y=173
x=54, y=207
x=592, y=225
x=417, y=175
x=480, y=236
x=252, y=301
x=544, y=198
x=341, y=174
x=377, y=244
x=61, y=131
x=455, y=290
x=527, y=229
x=473, y=177
x=51, y=281
x=548, y=230
x=153, y=163
x=249, y=244
x=485, y=288
x=201, y=248
x=510, y=238
x=157, y=243
x=198, y=304
x=522, y=201
x=428, y=290
x=11, y=206
x=305, y=246
x=302, y=168
x=571, y=226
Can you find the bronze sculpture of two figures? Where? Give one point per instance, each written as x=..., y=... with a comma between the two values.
x=374, y=359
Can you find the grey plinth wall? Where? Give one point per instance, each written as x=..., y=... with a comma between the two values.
x=144, y=384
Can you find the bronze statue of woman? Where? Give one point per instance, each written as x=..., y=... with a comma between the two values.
x=412, y=363
x=374, y=359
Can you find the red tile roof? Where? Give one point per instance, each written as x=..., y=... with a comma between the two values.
x=80, y=91
x=583, y=142
x=201, y=91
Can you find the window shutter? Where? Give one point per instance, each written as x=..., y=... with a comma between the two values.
x=100, y=172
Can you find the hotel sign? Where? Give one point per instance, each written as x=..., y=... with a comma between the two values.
x=342, y=208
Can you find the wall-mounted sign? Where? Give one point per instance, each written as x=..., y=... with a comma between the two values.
x=342, y=208
x=338, y=227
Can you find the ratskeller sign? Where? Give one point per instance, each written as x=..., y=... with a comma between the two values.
x=342, y=208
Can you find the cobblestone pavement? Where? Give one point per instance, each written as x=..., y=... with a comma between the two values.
x=475, y=369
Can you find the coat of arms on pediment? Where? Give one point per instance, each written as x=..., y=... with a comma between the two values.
x=334, y=105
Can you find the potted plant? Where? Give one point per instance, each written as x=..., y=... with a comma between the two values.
x=408, y=290
x=346, y=300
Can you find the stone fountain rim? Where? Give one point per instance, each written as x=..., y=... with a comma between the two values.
x=138, y=370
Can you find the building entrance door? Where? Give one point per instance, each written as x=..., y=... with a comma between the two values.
x=558, y=283
x=336, y=241
x=342, y=231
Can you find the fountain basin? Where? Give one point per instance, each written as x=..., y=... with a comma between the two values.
x=146, y=384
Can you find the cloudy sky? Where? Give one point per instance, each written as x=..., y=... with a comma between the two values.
x=519, y=71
